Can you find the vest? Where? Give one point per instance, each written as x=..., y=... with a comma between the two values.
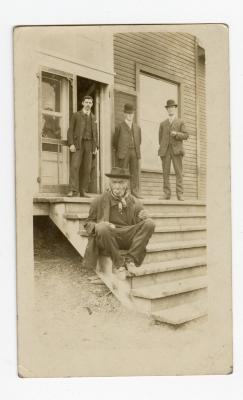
x=88, y=133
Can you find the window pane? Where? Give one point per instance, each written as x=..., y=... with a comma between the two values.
x=153, y=96
x=51, y=92
x=51, y=126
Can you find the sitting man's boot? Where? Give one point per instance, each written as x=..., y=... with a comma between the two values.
x=131, y=266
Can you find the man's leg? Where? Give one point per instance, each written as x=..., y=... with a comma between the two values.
x=177, y=164
x=135, y=239
x=123, y=162
x=166, y=162
x=134, y=170
x=76, y=160
x=106, y=242
x=86, y=165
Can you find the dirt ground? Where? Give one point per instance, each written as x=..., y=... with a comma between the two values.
x=84, y=330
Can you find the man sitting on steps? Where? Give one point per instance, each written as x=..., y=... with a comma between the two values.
x=117, y=221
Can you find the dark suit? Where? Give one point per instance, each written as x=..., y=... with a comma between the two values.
x=81, y=159
x=126, y=143
x=171, y=148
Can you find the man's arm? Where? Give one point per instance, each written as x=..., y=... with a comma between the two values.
x=91, y=221
x=115, y=138
x=140, y=212
x=71, y=130
x=183, y=134
x=160, y=132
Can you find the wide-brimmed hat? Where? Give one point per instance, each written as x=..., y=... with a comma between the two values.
x=117, y=172
x=129, y=108
x=171, y=103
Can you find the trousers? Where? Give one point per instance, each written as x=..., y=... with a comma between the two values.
x=131, y=161
x=177, y=164
x=81, y=163
x=133, y=238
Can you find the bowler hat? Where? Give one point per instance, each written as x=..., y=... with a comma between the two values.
x=128, y=108
x=117, y=172
x=171, y=103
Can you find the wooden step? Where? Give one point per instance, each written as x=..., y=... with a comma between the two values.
x=178, y=232
x=76, y=215
x=183, y=228
x=172, y=265
x=173, y=205
x=181, y=313
x=166, y=246
x=73, y=215
x=170, y=288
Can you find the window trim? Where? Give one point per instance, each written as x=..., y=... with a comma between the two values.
x=154, y=73
x=61, y=142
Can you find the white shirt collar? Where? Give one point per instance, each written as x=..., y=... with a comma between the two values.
x=86, y=112
x=171, y=119
x=129, y=123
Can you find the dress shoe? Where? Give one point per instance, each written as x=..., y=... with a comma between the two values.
x=165, y=197
x=137, y=195
x=83, y=193
x=180, y=197
x=72, y=194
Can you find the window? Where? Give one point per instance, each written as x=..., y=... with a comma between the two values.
x=154, y=92
x=55, y=95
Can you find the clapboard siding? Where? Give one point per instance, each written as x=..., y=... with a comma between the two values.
x=165, y=53
x=202, y=127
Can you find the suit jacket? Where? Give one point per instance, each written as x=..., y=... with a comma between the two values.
x=100, y=211
x=77, y=127
x=121, y=140
x=177, y=141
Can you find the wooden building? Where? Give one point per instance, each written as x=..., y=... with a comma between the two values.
x=55, y=67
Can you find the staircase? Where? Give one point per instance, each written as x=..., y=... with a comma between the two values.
x=171, y=285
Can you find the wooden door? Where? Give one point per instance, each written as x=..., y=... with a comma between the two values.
x=56, y=105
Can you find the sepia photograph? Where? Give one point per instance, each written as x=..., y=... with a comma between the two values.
x=118, y=272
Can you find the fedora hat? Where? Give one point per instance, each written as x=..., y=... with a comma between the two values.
x=117, y=172
x=171, y=103
x=129, y=108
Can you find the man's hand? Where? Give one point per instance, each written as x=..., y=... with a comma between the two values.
x=143, y=214
x=72, y=148
x=173, y=133
x=95, y=151
x=112, y=226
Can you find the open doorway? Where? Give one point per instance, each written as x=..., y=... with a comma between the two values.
x=88, y=87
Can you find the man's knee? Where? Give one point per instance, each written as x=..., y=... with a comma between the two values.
x=102, y=229
x=149, y=224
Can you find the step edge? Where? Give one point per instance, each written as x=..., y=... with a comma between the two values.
x=183, y=244
x=191, y=288
x=189, y=262
x=180, y=320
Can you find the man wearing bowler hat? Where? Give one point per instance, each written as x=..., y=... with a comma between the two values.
x=126, y=143
x=172, y=132
x=117, y=221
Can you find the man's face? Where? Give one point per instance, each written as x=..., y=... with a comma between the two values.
x=87, y=104
x=171, y=111
x=118, y=186
x=129, y=116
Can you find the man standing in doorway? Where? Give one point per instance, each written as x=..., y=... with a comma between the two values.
x=172, y=132
x=83, y=144
x=126, y=143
